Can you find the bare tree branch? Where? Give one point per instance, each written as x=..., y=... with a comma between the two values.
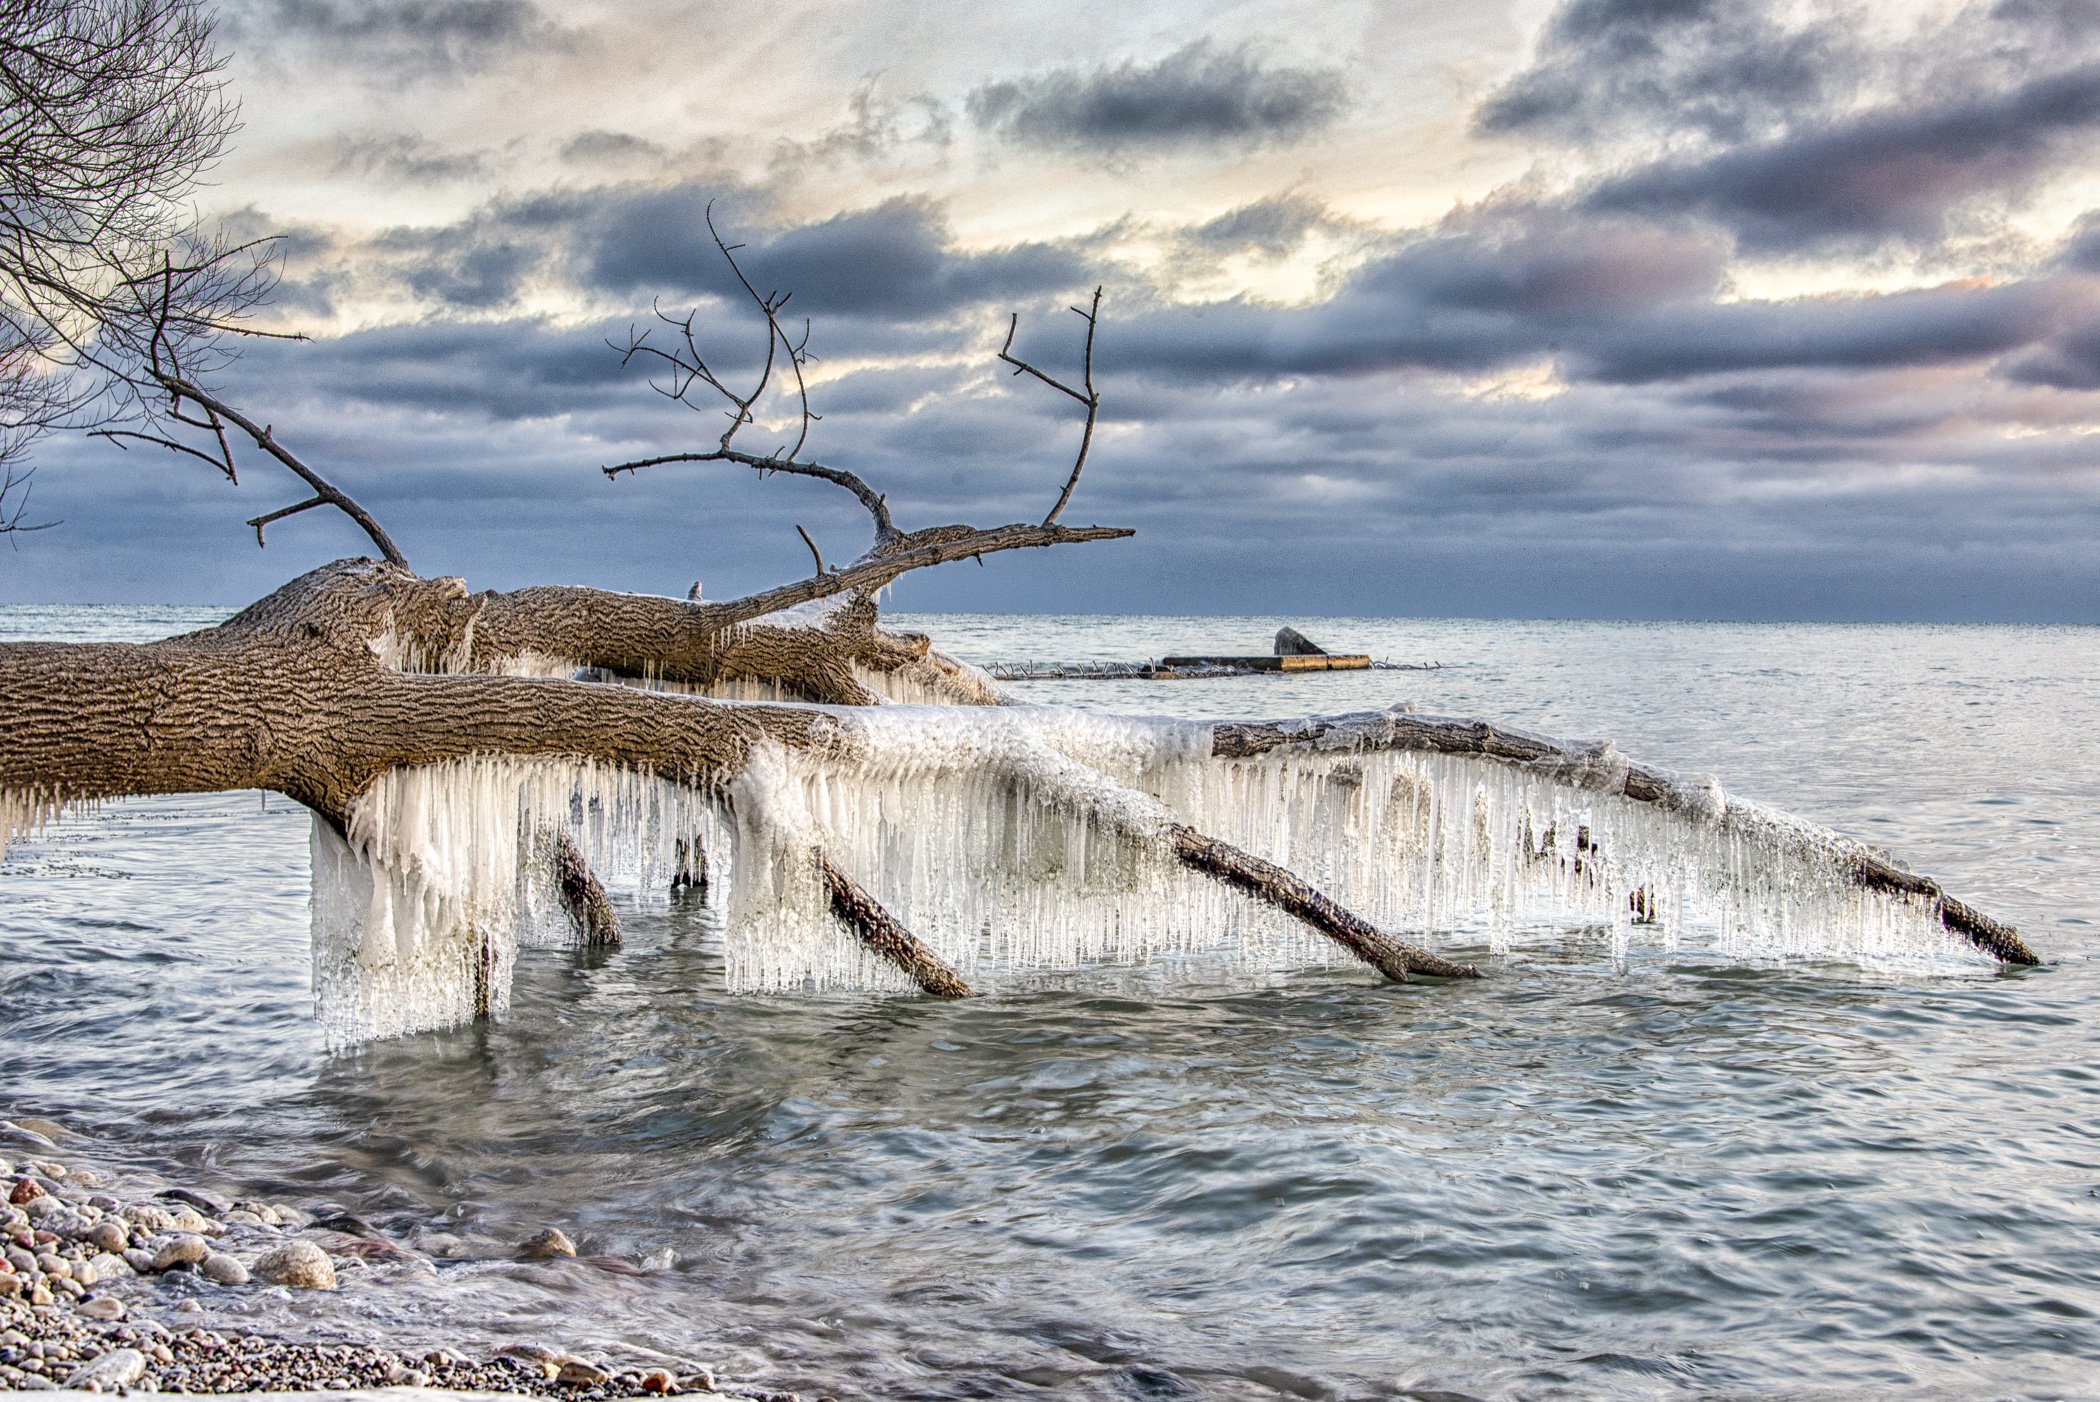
x=874, y=570
x=324, y=491
x=877, y=505
x=14, y=482
x=1090, y=397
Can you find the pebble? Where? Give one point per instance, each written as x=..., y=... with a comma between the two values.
x=152, y=1217
x=578, y=1372
x=182, y=1249
x=60, y=1324
x=120, y=1367
x=299, y=1264
x=222, y=1269
x=107, y=1235
x=546, y=1246
x=107, y=1267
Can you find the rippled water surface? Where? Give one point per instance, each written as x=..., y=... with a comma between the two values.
x=1671, y=1175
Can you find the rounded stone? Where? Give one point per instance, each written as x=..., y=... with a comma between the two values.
x=182, y=1249
x=103, y=1307
x=152, y=1218
x=120, y=1367
x=546, y=1246
x=222, y=1269
x=10, y=1285
x=108, y=1235
x=299, y=1264
x=579, y=1372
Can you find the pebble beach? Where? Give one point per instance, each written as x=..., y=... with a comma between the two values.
x=99, y=1282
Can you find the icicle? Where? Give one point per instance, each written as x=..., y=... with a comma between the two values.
x=1013, y=839
x=419, y=912
x=24, y=813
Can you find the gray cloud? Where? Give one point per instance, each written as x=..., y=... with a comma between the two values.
x=1274, y=226
x=391, y=39
x=407, y=157
x=1896, y=173
x=874, y=127
x=895, y=260
x=1727, y=68
x=602, y=148
x=1196, y=96
x=1610, y=301
x=1796, y=131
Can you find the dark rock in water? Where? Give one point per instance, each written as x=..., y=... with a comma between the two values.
x=197, y=1200
x=546, y=1246
x=348, y=1223
x=1292, y=643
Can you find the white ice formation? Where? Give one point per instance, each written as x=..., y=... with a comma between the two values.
x=1013, y=838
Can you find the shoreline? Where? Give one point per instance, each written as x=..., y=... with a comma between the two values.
x=89, y=1258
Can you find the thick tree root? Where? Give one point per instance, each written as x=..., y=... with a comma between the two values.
x=1291, y=893
x=582, y=896
x=879, y=931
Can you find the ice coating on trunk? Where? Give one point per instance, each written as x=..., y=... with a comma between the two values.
x=1013, y=839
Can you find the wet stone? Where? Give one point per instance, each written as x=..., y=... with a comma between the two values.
x=548, y=1245
x=182, y=1249
x=579, y=1372
x=106, y=1307
x=299, y=1264
x=108, y=1235
x=222, y=1269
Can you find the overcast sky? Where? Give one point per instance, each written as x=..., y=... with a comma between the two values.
x=1614, y=308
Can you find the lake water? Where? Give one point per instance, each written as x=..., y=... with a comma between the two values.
x=1668, y=1175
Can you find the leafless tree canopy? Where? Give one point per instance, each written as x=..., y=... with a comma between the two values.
x=113, y=109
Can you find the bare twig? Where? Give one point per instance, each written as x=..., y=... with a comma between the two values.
x=1090, y=397
x=324, y=491
x=815, y=553
x=687, y=369
x=15, y=483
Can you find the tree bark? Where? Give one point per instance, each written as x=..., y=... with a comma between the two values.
x=360, y=667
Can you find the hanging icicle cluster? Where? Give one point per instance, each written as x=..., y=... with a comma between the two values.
x=1014, y=839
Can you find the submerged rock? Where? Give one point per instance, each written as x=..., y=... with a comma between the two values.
x=182, y=1249
x=299, y=1264
x=222, y=1269
x=546, y=1246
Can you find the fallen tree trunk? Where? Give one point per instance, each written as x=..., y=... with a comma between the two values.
x=348, y=674
x=360, y=670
